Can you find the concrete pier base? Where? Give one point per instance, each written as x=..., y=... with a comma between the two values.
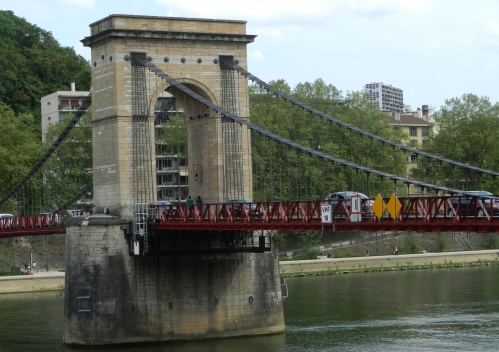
x=114, y=298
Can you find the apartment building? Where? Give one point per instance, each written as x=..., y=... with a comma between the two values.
x=387, y=97
x=416, y=125
x=59, y=105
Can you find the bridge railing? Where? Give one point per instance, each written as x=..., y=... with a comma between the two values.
x=415, y=214
x=422, y=214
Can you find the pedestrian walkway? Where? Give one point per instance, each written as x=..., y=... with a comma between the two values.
x=40, y=281
x=37, y=275
x=387, y=261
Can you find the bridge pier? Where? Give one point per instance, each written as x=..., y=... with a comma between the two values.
x=114, y=298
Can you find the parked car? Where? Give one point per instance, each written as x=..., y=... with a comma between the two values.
x=50, y=218
x=165, y=205
x=8, y=221
x=470, y=204
x=234, y=205
x=345, y=196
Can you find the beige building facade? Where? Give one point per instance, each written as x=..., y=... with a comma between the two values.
x=416, y=125
x=59, y=105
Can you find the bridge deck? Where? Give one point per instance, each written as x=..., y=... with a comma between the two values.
x=419, y=214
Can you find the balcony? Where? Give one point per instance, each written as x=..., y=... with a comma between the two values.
x=68, y=107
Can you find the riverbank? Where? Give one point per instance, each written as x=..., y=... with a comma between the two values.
x=53, y=281
x=40, y=281
x=388, y=262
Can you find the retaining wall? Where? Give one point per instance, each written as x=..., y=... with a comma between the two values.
x=334, y=264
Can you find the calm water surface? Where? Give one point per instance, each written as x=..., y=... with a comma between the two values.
x=422, y=310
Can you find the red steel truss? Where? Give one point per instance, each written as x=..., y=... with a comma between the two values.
x=418, y=214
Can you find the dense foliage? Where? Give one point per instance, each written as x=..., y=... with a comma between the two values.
x=20, y=147
x=466, y=130
x=282, y=173
x=69, y=170
x=34, y=65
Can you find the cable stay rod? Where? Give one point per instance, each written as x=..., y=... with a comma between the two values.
x=288, y=142
x=76, y=117
x=356, y=129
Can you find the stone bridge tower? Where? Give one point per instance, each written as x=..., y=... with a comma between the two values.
x=188, y=50
x=112, y=296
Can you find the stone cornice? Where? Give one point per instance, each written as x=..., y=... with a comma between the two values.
x=167, y=35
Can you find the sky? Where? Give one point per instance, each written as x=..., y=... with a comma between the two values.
x=431, y=49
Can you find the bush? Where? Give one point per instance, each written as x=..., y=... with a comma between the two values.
x=310, y=241
x=442, y=242
x=411, y=243
x=279, y=239
x=492, y=240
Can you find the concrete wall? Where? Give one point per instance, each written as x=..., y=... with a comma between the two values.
x=333, y=264
x=113, y=298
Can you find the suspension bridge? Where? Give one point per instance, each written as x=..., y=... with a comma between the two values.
x=424, y=213
x=140, y=269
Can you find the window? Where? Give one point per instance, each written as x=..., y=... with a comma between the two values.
x=413, y=131
x=164, y=179
x=424, y=131
x=162, y=163
x=414, y=159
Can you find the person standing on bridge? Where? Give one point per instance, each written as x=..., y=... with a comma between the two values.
x=199, y=203
x=189, y=202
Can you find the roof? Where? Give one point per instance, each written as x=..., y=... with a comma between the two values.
x=409, y=120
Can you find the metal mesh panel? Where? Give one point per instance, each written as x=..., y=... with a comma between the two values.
x=231, y=132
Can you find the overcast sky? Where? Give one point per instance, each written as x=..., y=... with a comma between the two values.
x=432, y=49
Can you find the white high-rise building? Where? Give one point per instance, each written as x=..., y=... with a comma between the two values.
x=387, y=97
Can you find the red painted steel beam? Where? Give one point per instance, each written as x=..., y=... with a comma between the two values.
x=418, y=214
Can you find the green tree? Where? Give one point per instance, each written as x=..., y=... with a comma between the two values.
x=411, y=243
x=442, y=242
x=69, y=170
x=34, y=64
x=310, y=242
x=465, y=130
x=19, y=148
x=283, y=173
x=279, y=239
x=492, y=240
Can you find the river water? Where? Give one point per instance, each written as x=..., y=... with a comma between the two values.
x=416, y=310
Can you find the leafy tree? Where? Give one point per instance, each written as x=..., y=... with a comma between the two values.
x=492, y=240
x=174, y=135
x=310, y=242
x=283, y=173
x=34, y=64
x=19, y=149
x=279, y=239
x=442, y=241
x=411, y=243
x=69, y=170
x=465, y=130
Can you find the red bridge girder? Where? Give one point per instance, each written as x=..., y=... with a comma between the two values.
x=418, y=214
